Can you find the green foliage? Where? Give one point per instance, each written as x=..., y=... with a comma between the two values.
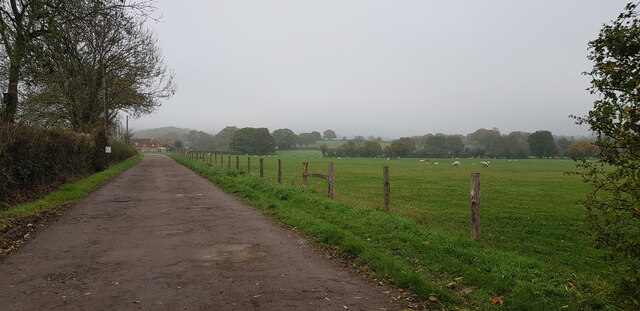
x=200, y=140
x=178, y=144
x=121, y=151
x=542, y=145
x=223, y=138
x=32, y=160
x=251, y=140
x=360, y=148
x=583, y=149
x=440, y=146
x=324, y=148
x=329, y=134
x=285, y=138
x=403, y=147
x=614, y=204
x=305, y=139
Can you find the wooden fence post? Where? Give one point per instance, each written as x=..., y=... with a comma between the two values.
x=305, y=168
x=387, y=189
x=249, y=165
x=261, y=167
x=331, y=191
x=229, y=162
x=215, y=159
x=279, y=171
x=475, y=206
x=237, y=163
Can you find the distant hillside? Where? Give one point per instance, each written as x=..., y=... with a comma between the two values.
x=161, y=131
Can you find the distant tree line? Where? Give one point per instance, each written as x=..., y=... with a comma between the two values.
x=480, y=143
x=244, y=140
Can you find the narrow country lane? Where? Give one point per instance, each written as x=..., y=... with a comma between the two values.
x=159, y=237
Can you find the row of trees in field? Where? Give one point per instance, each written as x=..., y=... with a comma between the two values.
x=481, y=143
x=241, y=140
x=79, y=64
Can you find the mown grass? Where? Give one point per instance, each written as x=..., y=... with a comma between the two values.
x=534, y=252
x=65, y=195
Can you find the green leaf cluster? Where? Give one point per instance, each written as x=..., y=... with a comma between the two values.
x=614, y=203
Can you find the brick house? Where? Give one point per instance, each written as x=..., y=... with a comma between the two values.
x=148, y=145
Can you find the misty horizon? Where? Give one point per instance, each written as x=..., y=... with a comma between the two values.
x=377, y=68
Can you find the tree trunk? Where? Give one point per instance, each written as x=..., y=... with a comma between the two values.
x=11, y=97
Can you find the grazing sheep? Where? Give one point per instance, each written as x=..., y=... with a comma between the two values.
x=436, y=163
x=424, y=161
x=456, y=164
x=484, y=164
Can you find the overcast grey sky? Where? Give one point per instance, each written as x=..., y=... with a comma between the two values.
x=385, y=68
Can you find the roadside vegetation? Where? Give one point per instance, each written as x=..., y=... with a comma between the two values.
x=535, y=252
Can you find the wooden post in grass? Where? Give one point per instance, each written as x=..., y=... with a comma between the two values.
x=237, y=163
x=475, y=206
x=215, y=159
x=387, y=188
x=331, y=191
x=261, y=167
x=279, y=171
x=248, y=165
x=229, y=162
x=305, y=169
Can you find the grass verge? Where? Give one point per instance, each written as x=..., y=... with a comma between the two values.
x=444, y=269
x=64, y=196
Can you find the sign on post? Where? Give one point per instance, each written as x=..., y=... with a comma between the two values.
x=107, y=149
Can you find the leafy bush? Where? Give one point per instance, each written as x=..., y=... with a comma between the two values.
x=121, y=151
x=33, y=160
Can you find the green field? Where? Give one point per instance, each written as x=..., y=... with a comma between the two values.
x=531, y=220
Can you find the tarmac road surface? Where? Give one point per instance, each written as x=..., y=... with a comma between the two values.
x=159, y=237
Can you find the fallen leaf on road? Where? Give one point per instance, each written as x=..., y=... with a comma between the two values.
x=497, y=300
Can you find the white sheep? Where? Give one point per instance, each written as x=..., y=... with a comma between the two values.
x=456, y=164
x=484, y=164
